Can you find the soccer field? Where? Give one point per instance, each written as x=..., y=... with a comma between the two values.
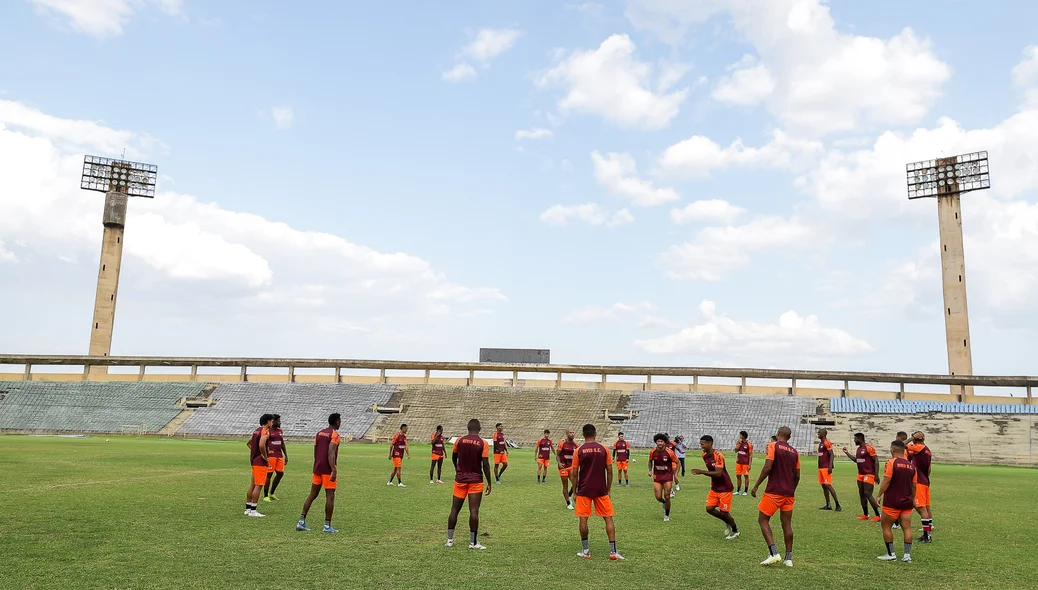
x=166, y=513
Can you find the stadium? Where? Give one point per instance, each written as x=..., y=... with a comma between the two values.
x=387, y=451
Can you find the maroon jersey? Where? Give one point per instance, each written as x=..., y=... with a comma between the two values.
x=662, y=464
x=714, y=461
x=785, y=462
x=399, y=445
x=825, y=454
x=322, y=442
x=623, y=451
x=590, y=461
x=499, y=443
x=544, y=449
x=900, y=494
x=437, y=445
x=471, y=449
x=743, y=452
x=864, y=456
x=565, y=454
x=255, y=454
x=275, y=442
x=921, y=457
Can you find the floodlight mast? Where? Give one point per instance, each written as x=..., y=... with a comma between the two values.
x=947, y=179
x=119, y=180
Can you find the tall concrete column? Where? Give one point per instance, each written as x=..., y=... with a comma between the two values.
x=953, y=271
x=108, y=278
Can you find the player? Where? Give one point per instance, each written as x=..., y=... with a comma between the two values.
x=543, y=455
x=471, y=459
x=564, y=460
x=438, y=452
x=743, y=459
x=868, y=465
x=782, y=470
x=662, y=465
x=826, y=456
x=622, y=455
x=898, y=492
x=921, y=457
x=902, y=436
x=326, y=473
x=719, y=498
x=680, y=449
x=258, y=458
x=277, y=458
x=673, y=448
x=397, y=448
x=500, y=452
x=592, y=477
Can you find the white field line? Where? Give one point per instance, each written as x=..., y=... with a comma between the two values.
x=112, y=481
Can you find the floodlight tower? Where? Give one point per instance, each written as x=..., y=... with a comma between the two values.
x=947, y=179
x=119, y=180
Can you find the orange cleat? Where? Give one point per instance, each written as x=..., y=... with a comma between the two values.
x=863, y=517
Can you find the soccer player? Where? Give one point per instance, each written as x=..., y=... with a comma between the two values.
x=782, y=470
x=673, y=448
x=258, y=458
x=326, y=473
x=397, y=448
x=898, y=493
x=277, y=458
x=662, y=465
x=921, y=457
x=622, y=455
x=743, y=459
x=826, y=457
x=564, y=459
x=543, y=455
x=719, y=498
x=868, y=465
x=438, y=452
x=471, y=458
x=500, y=452
x=902, y=436
x=592, y=477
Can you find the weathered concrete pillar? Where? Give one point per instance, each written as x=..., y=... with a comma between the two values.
x=108, y=278
x=953, y=274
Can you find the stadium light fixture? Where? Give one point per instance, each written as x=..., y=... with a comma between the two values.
x=948, y=176
x=109, y=175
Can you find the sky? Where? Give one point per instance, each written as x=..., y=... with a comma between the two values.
x=645, y=182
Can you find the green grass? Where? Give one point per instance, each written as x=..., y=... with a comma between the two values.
x=161, y=513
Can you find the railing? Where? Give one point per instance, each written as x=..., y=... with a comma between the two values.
x=95, y=368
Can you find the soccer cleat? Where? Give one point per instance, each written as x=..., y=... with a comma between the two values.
x=266, y=498
x=431, y=481
x=498, y=482
x=672, y=493
x=732, y=537
x=439, y=481
x=256, y=514
x=274, y=498
x=666, y=518
x=328, y=529
x=926, y=540
x=401, y=485
x=907, y=558
x=895, y=526
x=772, y=559
x=391, y=484
x=450, y=543
x=875, y=519
x=570, y=506
x=839, y=508
x=744, y=493
x=863, y=517
x=827, y=507
x=615, y=557
x=584, y=554
x=788, y=563
x=476, y=546
x=247, y=512
x=887, y=557
x=301, y=526
x=727, y=530
x=677, y=488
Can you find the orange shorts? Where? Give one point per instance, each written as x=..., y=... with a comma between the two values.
x=462, y=490
x=564, y=472
x=500, y=458
x=544, y=462
x=603, y=506
x=259, y=474
x=824, y=477
x=324, y=480
x=621, y=465
x=275, y=464
x=436, y=457
x=772, y=503
x=723, y=501
x=869, y=479
x=922, y=496
x=397, y=461
x=895, y=513
x=742, y=469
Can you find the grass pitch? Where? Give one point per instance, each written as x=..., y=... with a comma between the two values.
x=161, y=513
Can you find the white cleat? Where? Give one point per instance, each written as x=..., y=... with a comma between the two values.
x=887, y=557
x=391, y=484
x=439, y=481
x=788, y=563
x=732, y=537
x=616, y=557
x=672, y=493
x=476, y=546
x=584, y=554
x=727, y=530
x=431, y=481
x=247, y=512
x=400, y=485
x=677, y=488
x=256, y=514
x=907, y=558
x=570, y=506
x=666, y=518
x=772, y=559
x=450, y=543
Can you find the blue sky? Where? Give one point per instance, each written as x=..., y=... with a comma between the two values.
x=329, y=188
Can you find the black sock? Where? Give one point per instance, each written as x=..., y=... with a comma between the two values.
x=890, y=548
x=876, y=510
x=583, y=543
x=612, y=546
x=472, y=537
x=666, y=512
x=773, y=549
x=450, y=534
x=248, y=506
x=735, y=528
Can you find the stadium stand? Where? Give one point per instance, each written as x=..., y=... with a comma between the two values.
x=304, y=408
x=719, y=415
x=850, y=405
x=525, y=412
x=90, y=407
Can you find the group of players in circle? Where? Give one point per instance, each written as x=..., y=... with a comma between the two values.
x=586, y=472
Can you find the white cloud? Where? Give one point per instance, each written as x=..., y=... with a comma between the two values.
x=101, y=18
x=749, y=84
x=536, y=133
x=619, y=174
x=6, y=255
x=712, y=210
x=490, y=43
x=611, y=83
x=1025, y=73
x=68, y=133
x=794, y=336
x=459, y=73
x=589, y=213
x=283, y=117
x=596, y=315
x=699, y=156
x=717, y=251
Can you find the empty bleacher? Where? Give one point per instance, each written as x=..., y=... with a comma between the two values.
x=852, y=405
x=304, y=408
x=525, y=412
x=89, y=406
x=719, y=415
